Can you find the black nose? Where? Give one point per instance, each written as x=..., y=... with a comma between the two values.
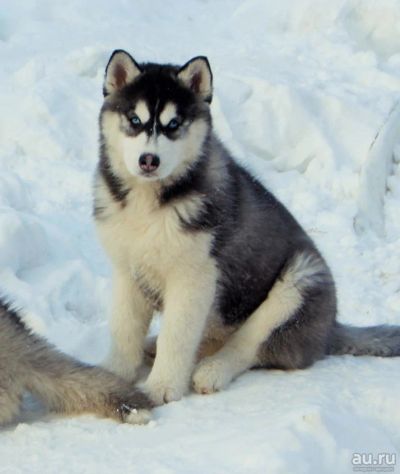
x=149, y=162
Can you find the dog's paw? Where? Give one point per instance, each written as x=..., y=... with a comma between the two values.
x=211, y=375
x=138, y=417
x=162, y=391
x=132, y=405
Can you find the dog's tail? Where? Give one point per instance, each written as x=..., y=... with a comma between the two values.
x=64, y=385
x=382, y=341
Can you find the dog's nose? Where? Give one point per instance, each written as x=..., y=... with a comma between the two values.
x=149, y=162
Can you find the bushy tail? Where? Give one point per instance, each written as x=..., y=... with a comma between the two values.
x=63, y=384
x=382, y=341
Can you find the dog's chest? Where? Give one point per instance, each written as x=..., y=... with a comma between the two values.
x=149, y=241
x=147, y=237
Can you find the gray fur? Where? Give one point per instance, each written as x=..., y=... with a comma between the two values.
x=64, y=385
x=382, y=341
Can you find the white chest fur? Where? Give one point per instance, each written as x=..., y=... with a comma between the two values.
x=147, y=238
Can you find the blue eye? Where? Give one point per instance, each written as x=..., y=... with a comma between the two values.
x=135, y=121
x=173, y=124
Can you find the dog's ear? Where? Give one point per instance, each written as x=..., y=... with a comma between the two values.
x=196, y=75
x=120, y=71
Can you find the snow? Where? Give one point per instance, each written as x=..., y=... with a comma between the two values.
x=307, y=96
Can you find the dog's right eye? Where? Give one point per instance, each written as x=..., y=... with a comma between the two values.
x=135, y=121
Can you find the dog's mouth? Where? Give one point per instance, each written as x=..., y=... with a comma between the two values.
x=149, y=175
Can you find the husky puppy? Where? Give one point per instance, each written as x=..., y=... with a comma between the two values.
x=66, y=386
x=193, y=234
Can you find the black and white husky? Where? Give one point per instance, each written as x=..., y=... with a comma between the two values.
x=194, y=235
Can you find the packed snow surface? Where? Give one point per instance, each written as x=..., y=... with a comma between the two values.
x=306, y=95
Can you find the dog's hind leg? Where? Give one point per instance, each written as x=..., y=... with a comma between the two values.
x=245, y=348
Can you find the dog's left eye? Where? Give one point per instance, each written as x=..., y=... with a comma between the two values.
x=173, y=124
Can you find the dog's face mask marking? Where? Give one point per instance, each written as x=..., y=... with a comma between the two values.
x=160, y=114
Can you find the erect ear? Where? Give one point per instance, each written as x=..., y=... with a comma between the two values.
x=120, y=71
x=197, y=76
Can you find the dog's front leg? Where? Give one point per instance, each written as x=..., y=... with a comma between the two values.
x=188, y=299
x=131, y=315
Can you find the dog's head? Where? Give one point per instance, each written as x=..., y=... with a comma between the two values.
x=155, y=118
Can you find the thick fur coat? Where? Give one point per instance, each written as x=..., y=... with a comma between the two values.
x=193, y=234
